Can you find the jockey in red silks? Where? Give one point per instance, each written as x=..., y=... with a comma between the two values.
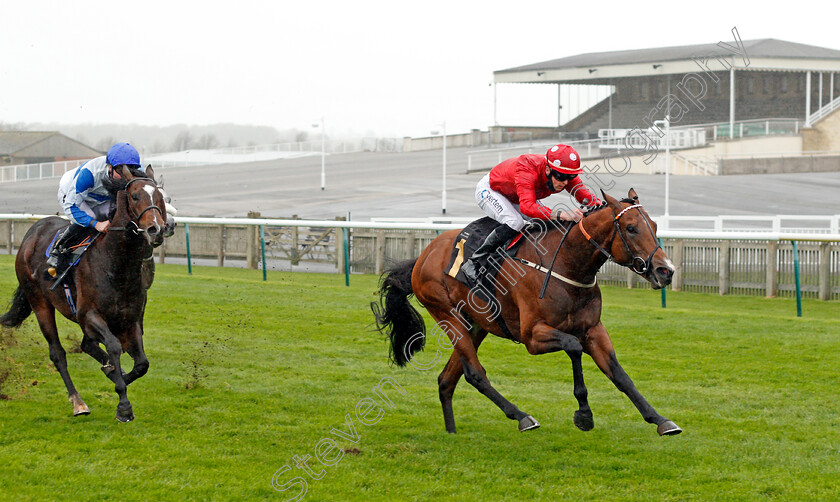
x=513, y=189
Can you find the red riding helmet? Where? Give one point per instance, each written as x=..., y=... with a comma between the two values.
x=563, y=159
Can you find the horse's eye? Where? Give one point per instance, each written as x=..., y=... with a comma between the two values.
x=134, y=197
x=631, y=229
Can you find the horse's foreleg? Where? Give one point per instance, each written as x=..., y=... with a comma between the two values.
x=45, y=313
x=599, y=346
x=134, y=348
x=543, y=338
x=95, y=327
x=447, y=381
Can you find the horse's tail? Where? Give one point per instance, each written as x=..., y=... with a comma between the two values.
x=395, y=316
x=19, y=309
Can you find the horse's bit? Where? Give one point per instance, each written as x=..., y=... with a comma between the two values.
x=644, y=265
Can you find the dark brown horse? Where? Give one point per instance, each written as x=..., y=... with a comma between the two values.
x=567, y=318
x=108, y=287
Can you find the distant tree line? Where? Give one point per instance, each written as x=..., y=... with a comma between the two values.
x=158, y=139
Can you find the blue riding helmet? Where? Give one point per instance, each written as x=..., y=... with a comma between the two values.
x=123, y=153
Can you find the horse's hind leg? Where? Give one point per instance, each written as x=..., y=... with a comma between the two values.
x=600, y=347
x=474, y=372
x=447, y=381
x=45, y=313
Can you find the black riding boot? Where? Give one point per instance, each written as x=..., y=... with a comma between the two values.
x=499, y=236
x=66, y=240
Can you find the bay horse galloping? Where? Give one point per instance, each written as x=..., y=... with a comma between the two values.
x=566, y=317
x=107, y=296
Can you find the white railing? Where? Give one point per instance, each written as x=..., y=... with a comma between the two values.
x=757, y=262
x=617, y=139
x=44, y=170
x=824, y=111
x=198, y=157
x=741, y=224
x=760, y=227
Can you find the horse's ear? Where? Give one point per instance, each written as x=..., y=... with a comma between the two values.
x=125, y=172
x=632, y=195
x=150, y=172
x=611, y=201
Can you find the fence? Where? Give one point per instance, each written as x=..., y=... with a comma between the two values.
x=726, y=262
x=44, y=170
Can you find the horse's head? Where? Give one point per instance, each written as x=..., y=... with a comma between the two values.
x=146, y=205
x=637, y=246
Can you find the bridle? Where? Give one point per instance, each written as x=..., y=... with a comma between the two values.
x=637, y=263
x=132, y=225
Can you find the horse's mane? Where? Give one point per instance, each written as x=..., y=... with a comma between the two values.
x=116, y=185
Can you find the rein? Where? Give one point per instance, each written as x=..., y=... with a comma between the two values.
x=549, y=273
x=645, y=263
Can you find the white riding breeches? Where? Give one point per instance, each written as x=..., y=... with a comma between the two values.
x=497, y=206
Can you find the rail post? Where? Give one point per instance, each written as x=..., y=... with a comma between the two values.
x=825, y=268
x=380, y=251
x=772, y=279
x=262, y=248
x=346, y=233
x=189, y=258
x=251, y=241
x=663, y=288
x=723, y=268
x=679, y=247
x=796, y=278
x=10, y=244
x=221, y=257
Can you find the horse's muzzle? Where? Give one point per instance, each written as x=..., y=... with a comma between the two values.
x=660, y=274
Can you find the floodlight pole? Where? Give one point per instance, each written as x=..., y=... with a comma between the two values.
x=667, y=161
x=443, y=198
x=323, y=153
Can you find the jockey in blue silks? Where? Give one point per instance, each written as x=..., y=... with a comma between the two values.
x=84, y=198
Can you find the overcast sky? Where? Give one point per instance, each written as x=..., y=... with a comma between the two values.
x=385, y=68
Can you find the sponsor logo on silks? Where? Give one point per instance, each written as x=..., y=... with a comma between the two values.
x=484, y=193
x=573, y=157
x=495, y=203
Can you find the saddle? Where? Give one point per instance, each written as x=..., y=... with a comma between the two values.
x=468, y=241
x=75, y=247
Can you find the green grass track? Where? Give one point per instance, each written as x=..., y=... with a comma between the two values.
x=246, y=375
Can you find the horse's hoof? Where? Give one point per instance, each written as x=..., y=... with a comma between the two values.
x=584, y=421
x=668, y=428
x=125, y=416
x=81, y=410
x=527, y=423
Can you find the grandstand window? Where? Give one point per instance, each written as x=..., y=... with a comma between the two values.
x=660, y=88
x=751, y=85
x=643, y=90
x=784, y=83
x=800, y=83
x=765, y=84
x=718, y=87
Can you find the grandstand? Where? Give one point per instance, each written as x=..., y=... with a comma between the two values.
x=768, y=78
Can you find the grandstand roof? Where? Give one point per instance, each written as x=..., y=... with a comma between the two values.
x=763, y=54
